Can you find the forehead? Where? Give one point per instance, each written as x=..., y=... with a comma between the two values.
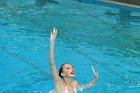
x=67, y=65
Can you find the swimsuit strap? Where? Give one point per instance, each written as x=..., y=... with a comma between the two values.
x=75, y=90
x=66, y=89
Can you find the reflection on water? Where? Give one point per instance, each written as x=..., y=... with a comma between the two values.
x=85, y=35
x=125, y=32
x=41, y=3
x=86, y=1
x=124, y=17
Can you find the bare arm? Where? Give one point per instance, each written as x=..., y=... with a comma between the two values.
x=91, y=83
x=55, y=75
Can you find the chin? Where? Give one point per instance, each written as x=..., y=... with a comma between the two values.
x=72, y=75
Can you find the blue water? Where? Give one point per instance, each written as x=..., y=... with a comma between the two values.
x=88, y=34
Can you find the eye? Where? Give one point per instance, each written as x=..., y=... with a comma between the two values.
x=68, y=68
x=72, y=67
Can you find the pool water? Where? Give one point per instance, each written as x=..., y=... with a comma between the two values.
x=88, y=34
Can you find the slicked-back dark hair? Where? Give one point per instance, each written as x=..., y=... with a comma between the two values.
x=61, y=70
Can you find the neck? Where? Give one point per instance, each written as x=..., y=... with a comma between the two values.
x=67, y=80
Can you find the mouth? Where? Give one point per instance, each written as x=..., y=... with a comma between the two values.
x=72, y=72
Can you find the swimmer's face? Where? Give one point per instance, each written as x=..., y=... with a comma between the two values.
x=68, y=71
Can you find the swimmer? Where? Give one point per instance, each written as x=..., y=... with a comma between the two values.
x=63, y=81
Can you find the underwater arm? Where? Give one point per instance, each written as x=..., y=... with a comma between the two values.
x=51, y=56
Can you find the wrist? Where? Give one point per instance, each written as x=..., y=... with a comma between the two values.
x=96, y=78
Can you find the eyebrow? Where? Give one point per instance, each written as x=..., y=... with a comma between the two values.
x=70, y=66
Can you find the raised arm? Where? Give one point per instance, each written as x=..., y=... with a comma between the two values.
x=55, y=75
x=90, y=84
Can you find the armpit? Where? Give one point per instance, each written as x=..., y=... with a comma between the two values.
x=58, y=80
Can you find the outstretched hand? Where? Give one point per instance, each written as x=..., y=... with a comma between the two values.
x=53, y=35
x=95, y=73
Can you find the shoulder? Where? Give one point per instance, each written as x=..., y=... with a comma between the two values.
x=78, y=86
x=75, y=83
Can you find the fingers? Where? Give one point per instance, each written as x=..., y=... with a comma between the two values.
x=93, y=70
x=54, y=31
x=95, y=73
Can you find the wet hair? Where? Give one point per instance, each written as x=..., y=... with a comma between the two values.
x=61, y=70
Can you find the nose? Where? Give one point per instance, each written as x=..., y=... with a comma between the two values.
x=72, y=69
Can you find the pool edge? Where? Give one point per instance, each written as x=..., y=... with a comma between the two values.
x=120, y=3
